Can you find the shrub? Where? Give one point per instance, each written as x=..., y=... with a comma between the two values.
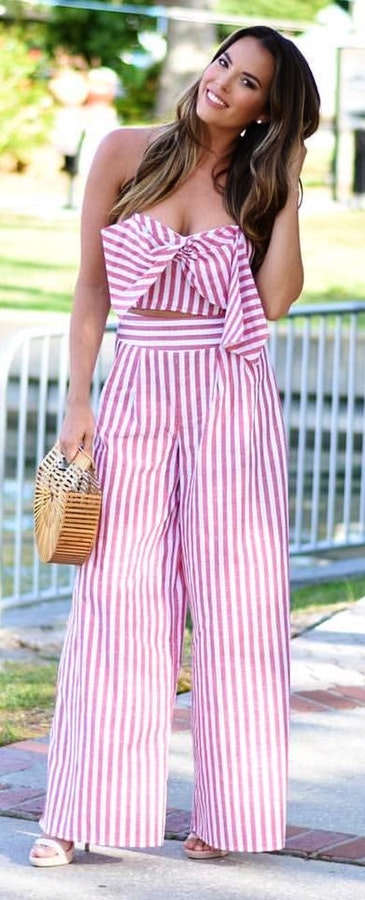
x=26, y=107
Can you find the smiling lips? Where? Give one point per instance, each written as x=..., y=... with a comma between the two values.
x=214, y=100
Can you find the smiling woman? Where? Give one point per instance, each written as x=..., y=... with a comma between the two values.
x=242, y=95
x=190, y=232
x=254, y=166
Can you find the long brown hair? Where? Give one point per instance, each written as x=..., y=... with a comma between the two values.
x=256, y=182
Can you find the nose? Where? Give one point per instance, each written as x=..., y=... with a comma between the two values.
x=225, y=80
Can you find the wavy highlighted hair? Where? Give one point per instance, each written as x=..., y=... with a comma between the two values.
x=256, y=175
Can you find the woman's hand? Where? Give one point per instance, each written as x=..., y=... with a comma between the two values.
x=77, y=430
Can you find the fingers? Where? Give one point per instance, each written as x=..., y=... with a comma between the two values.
x=87, y=444
x=70, y=448
x=77, y=431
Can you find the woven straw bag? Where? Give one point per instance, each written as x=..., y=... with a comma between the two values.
x=67, y=503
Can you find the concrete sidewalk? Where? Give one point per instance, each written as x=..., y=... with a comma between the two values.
x=164, y=874
x=325, y=848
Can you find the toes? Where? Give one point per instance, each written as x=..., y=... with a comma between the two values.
x=42, y=850
x=201, y=845
x=193, y=842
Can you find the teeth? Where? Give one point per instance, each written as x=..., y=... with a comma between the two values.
x=214, y=99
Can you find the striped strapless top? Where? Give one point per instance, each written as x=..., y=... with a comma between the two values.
x=149, y=265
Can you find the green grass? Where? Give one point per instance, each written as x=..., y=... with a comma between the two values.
x=318, y=596
x=38, y=265
x=38, y=262
x=39, y=258
x=27, y=693
x=333, y=254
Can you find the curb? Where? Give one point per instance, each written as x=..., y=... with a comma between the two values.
x=308, y=843
x=301, y=841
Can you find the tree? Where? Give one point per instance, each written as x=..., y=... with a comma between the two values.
x=97, y=36
x=190, y=42
x=94, y=37
x=188, y=49
x=25, y=104
x=106, y=38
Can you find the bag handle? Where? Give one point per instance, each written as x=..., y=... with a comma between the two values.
x=81, y=459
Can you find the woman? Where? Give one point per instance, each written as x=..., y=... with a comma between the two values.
x=190, y=451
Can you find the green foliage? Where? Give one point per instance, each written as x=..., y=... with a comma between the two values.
x=100, y=38
x=25, y=104
x=295, y=10
x=139, y=92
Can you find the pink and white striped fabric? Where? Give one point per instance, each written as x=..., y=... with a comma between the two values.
x=150, y=265
x=191, y=453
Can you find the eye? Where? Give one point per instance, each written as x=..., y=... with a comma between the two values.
x=222, y=61
x=248, y=83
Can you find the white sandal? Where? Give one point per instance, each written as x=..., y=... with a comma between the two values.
x=208, y=853
x=60, y=858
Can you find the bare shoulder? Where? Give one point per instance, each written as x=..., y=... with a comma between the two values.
x=115, y=163
x=124, y=147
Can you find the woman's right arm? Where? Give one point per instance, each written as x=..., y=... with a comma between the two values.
x=114, y=163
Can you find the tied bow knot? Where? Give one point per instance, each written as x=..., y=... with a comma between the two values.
x=215, y=264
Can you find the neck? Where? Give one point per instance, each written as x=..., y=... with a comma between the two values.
x=219, y=145
x=214, y=159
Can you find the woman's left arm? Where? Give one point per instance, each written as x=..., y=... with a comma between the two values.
x=280, y=277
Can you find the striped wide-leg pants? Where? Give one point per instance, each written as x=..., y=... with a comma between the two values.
x=191, y=454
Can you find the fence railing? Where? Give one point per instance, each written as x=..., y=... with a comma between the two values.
x=319, y=358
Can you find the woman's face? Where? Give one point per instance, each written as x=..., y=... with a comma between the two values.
x=234, y=89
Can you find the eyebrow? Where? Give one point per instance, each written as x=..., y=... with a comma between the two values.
x=247, y=74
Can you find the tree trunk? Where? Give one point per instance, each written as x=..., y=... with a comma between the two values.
x=189, y=46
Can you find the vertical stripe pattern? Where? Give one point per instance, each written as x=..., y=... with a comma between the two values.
x=191, y=454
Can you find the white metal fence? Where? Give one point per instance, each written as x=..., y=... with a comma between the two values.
x=319, y=357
